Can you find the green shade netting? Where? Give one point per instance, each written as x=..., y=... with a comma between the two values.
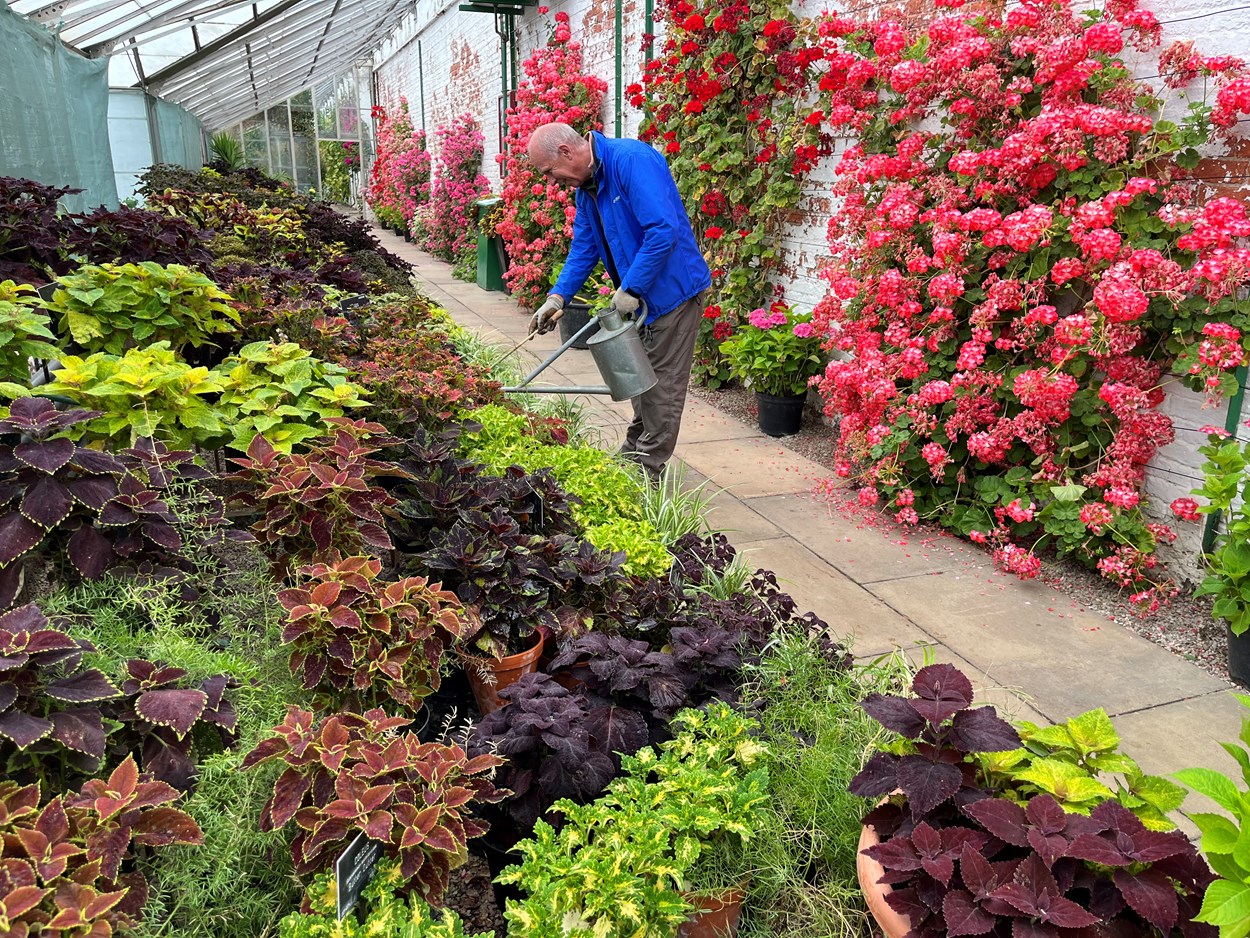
x=54, y=111
x=180, y=133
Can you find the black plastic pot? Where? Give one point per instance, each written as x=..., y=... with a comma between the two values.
x=1239, y=657
x=780, y=415
x=576, y=315
x=495, y=846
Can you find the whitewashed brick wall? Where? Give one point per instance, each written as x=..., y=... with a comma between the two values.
x=460, y=61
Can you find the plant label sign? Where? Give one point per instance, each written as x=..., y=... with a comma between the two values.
x=354, y=869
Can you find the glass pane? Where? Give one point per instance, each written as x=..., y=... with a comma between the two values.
x=302, y=122
x=255, y=146
x=349, y=123
x=279, y=119
x=323, y=95
x=303, y=99
x=305, y=163
x=282, y=155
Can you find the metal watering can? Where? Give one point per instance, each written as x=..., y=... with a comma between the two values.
x=619, y=356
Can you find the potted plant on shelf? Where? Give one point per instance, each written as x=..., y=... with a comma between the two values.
x=966, y=843
x=776, y=352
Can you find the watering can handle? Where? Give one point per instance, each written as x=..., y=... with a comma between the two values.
x=640, y=315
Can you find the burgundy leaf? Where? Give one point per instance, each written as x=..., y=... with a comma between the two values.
x=1151, y=895
x=47, y=456
x=84, y=687
x=878, y=777
x=97, y=462
x=288, y=795
x=11, y=579
x=907, y=902
x=17, y=536
x=963, y=916
x=47, y=502
x=982, y=730
x=160, y=826
x=897, y=853
x=165, y=757
x=177, y=709
x=158, y=532
x=23, y=729
x=1095, y=848
x=92, y=491
x=28, y=618
x=90, y=552
x=977, y=873
x=941, y=689
x=1004, y=819
x=894, y=713
x=8, y=694
x=80, y=729
x=927, y=784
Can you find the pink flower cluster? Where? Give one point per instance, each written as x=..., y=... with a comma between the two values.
x=1012, y=281
x=538, y=216
x=400, y=178
x=766, y=319
x=447, y=222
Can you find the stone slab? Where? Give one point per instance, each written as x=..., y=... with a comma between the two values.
x=853, y=614
x=1018, y=634
x=703, y=423
x=868, y=552
x=750, y=467
x=737, y=519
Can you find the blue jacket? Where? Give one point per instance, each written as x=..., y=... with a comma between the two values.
x=646, y=225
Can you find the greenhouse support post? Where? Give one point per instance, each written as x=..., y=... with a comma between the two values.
x=1212, y=527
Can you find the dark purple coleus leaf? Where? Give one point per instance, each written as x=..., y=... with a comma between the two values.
x=878, y=777
x=8, y=694
x=1151, y=894
x=90, y=552
x=1047, y=822
x=907, y=902
x=80, y=729
x=941, y=690
x=894, y=713
x=177, y=709
x=1035, y=894
x=30, y=618
x=982, y=730
x=963, y=916
x=1006, y=820
x=84, y=687
x=92, y=491
x=617, y=729
x=897, y=853
x=11, y=579
x=926, y=784
x=46, y=456
x=47, y=502
x=23, y=729
x=18, y=536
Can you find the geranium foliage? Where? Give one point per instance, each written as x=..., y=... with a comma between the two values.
x=538, y=215
x=730, y=101
x=1019, y=261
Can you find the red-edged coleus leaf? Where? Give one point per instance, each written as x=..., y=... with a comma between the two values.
x=23, y=729
x=982, y=730
x=1034, y=894
x=894, y=713
x=80, y=729
x=46, y=456
x=18, y=536
x=158, y=827
x=90, y=552
x=177, y=709
x=47, y=503
x=84, y=687
x=941, y=690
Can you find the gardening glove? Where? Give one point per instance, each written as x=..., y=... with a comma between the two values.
x=547, y=315
x=624, y=302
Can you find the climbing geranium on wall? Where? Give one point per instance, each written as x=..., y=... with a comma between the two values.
x=1021, y=259
x=447, y=223
x=730, y=101
x=538, y=216
x=400, y=178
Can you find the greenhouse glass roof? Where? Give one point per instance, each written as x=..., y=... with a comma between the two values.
x=220, y=59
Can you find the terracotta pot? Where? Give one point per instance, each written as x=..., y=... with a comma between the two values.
x=715, y=916
x=869, y=871
x=505, y=671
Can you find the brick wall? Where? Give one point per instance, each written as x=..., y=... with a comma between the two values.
x=461, y=67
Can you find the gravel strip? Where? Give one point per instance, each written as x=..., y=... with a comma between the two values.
x=1184, y=627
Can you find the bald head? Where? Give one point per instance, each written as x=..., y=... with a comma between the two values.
x=559, y=153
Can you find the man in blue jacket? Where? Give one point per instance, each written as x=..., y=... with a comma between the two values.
x=631, y=217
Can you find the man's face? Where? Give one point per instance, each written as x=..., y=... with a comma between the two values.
x=563, y=169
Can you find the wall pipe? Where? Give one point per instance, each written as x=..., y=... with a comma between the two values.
x=421, y=82
x=620, y=31
x=1212, y=527
x=648, y=27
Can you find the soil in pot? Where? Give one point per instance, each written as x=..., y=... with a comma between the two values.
x=500, y=673
x=715, y=916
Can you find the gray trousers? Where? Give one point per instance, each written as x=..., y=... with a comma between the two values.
x=669, y=341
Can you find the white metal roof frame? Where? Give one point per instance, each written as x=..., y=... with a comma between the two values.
x=223, y=60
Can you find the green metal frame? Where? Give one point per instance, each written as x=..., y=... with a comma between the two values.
x=1212, y=528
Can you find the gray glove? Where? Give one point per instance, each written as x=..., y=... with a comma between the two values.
x=625, y=303
x=547, y=315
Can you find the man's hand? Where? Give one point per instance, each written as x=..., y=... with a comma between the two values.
x=625, y=303
x=547, y=315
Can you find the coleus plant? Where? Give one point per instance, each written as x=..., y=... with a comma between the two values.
x=351, y=772
x=71, y=501
x=132, y=235
x=963, y=857
x=33, y=231
x=61, y=863
x=24, y=332
x=558, y=743
x=319, y=504
x=366, y=636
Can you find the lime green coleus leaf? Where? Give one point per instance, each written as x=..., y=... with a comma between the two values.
x=1071, y=786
